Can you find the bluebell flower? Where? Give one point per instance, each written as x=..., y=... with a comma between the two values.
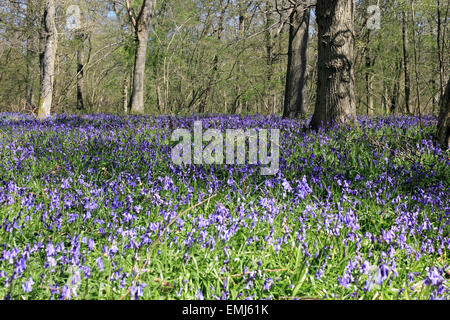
x=199, y=295
x=434, y=277
x=27, y=286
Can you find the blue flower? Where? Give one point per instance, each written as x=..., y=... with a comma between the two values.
x=199, y=295
x=434, y=277
x=28, y=285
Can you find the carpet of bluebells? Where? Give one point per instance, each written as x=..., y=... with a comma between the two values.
x=92, y=207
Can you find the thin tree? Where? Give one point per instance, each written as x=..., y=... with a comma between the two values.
x=335, y=101
x=80, y=39
x=48, y=43
x=295, y=96
x=443, y=128
x=30, y=53
x=141, y=24
x=406, y=62
x=416, y=71
x=268, y=39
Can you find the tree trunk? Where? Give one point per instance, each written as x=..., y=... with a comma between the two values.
x=369, y=97
x=396, y=87
x=48, y=43
x=406, y=62
x=125, y=94
x=268, y=38
x=80, y=38
x=296, y=96
x=416, y=62
x=29, y=57
x=213, y=76
x=443, y=128
x=142, y=28
x=29, y=77
x=440, y=55
x=237, y=105
x=335, y=101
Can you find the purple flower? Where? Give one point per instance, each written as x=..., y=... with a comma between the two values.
x=100, y=263
x=28, y=285
x=268, y=284
x=434, y=277
x=137, y=291
x=382, y=274
x=199, y=295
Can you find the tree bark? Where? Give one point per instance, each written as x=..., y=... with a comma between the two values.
x=443, y=128
x=268, y=38
x=406, y=62
x=48, y=43
x=369, y=97
x=335, y=101
x=142, y=28
x=237, y=105
x=295, y=96
x=416, y=62
x=80, y=38
x=29, y=57
x=438, y=40
x=215, y=64
x=125, y=94
x=396, y=87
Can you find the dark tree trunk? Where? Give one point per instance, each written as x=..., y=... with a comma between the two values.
x=47, y=59
x=295, y=95
x=443, y=128
x=335, y=101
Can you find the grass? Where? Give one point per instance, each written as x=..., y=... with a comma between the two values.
x=92, y=208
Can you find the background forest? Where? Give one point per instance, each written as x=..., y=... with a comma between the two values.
x=218, y=56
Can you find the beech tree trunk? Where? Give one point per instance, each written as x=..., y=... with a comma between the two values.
x=48, y=43
x=335, y=101
x=295, y=95
x=142, y=27
x=443, y=128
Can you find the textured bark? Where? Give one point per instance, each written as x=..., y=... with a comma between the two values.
x=142, y=29
x=335, y=101
x=48, y=43
x=443, y=128
x=295, y=95
x=406, y=62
